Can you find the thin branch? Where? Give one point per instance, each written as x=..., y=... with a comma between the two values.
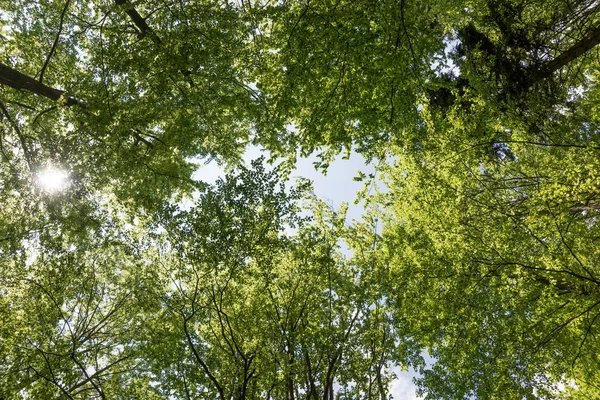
x=53, y=380
x=43, y=112
x=19, y=134
x=564, y=324
x=21, y=104
x=410, y=46
x=587, y=332
x=199, y=359
x=563, y=240
x=60, y=27
x=89, y=378
x=98, y=373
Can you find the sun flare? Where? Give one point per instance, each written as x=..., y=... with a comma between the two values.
x=53, y=180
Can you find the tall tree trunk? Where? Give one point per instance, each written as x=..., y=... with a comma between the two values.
x=19, y=81
x=290, y=377
x=578, y=49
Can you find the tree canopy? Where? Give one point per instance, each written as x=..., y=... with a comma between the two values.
x=137, y=281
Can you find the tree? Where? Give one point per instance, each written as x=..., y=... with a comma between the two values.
x=253, y=312
x=219, y=300
x=139, y=118
x=487, y=256
x=490, y=218
x=492, y=243
x=72, y=306
x=153, y=91
x=164, y=82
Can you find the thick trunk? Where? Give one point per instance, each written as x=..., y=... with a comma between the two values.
x=19, y=81
x=578, y=49
x=290, y=376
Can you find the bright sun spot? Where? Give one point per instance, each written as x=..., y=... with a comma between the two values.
x=53, y=180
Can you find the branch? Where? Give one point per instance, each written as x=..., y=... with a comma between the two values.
x=563, y=240
x=329, y=378
x=138, y=20
x=19, y=81
x=146, y=30
x=19, y=134
x=53, y=380
x=564, y=324
x=587, y=332
x=96, y=374
x=60, y=27
x=410, y=46
x=89, y=378
x=202, y=363
x=578, y=49
x=21, y=104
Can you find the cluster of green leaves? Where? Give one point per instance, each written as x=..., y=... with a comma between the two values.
x=143, y=102
x=235, y=296
x=485, y=117
x=491, y=217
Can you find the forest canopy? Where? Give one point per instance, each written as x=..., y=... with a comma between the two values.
x=122, y=276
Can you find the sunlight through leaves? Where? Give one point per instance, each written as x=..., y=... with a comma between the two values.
x=52, y=180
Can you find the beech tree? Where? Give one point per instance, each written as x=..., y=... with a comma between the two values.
x=268, y=315
x=491, y=218
x=483, y=118
x=215, y=300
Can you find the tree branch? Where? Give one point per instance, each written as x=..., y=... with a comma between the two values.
x=19, y=134
x=583, y=46
x=199, y=359
x=60, y=27
x=19, y=81
x=138, y=20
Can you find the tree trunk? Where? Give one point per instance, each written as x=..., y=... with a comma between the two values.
x=578, y=49
x=311, y=379
x=19, y=81
x=290, y=376
x=146, y=30
x=138, y=20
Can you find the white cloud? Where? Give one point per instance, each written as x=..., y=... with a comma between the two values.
x=403, y=388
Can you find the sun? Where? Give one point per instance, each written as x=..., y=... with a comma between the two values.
x=53, y=180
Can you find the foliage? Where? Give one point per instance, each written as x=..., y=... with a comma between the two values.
x=492, y=228
x=217, y=299
x=140, y=282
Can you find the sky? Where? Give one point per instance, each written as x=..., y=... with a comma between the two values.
x=336, y=187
